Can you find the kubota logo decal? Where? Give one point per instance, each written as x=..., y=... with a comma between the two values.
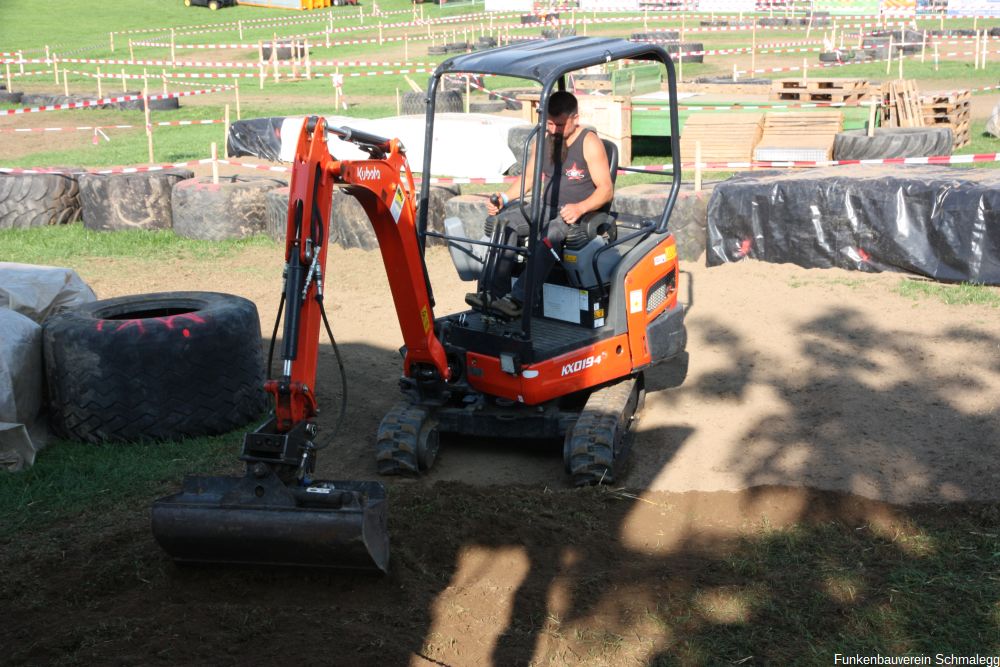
x=369, y=174
x=580, y=364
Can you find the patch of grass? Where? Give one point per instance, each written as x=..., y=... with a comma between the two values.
x=964, y=294
x=70, y=478
x=69, y=244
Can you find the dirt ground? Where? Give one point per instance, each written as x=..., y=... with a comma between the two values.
x=812, y=396
x=825, y=379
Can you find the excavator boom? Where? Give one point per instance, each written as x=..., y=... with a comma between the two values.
x=276, y=514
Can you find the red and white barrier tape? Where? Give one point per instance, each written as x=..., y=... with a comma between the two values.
x=94, y=128
x=110, y=100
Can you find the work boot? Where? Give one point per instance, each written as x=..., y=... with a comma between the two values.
x=476, y=299
x=507, y=306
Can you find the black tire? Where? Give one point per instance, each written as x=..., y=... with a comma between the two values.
x=36, y=200
x=448, y=101
x=556, y=33
x=129, y=201
x=234, y=208
x=276, y=203
x=488, y=106
x=486, y=42
x=154, y=367
x=456, y=47
x=284, y=51
x=515, y=141
x=168, y=104
x=656, y=37
x=836, y=56
x=687, y=47
x=436, y=50
x=10, y=98
x=893, y=142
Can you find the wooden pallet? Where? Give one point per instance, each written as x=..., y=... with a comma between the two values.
x=792, y=136
x=951, y=109
x=724, y=137
x=847, y=91
x=901, y=105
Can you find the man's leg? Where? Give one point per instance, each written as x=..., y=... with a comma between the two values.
x=515, y=229
x=543, y=260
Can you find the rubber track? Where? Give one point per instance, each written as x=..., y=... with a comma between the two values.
x=396, y=447
x=598, y=434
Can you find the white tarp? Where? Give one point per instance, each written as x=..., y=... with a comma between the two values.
x=20, y=387
x=472, y=145
x=28, y=295
x=38, y=291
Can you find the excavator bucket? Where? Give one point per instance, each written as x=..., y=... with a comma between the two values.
x=259, y=520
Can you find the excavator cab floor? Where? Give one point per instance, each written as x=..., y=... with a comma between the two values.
x=259, y=520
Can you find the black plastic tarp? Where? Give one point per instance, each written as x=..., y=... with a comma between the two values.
x=939, y=222
x=258, y=137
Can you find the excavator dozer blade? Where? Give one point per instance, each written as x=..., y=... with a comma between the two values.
x=259, y=520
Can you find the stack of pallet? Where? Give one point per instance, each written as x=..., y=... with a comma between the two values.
x=949, y=109
x=846, y=91
x=901, y=104
x=724, y=137
x=799, y=136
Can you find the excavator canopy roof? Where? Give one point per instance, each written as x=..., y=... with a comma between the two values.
x=545, y=60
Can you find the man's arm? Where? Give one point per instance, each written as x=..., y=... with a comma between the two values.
x=514, y=191
x=600, y=173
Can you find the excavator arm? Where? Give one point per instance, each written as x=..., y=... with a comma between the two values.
x=276, y=514
x=384, y=187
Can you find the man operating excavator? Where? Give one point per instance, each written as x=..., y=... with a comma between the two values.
x=577, y=182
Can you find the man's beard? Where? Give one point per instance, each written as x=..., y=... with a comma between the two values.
x=560, y=148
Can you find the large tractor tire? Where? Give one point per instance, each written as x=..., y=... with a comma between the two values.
x=697, y=48
x=276, y=205
x=154, y=367
x=8, y=97
x=891, y=142
x=36, y=200
x=448, y=101
x=129, y=201
x=233, y=208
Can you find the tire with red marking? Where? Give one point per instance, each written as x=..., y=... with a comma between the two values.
x=154, y=367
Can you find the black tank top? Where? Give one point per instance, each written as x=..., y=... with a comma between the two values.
x=567, y=181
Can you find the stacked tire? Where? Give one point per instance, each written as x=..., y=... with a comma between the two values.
x=893, y=142
x=230, y=209
x=36, y=200
x=154, y=367
x=447, y=101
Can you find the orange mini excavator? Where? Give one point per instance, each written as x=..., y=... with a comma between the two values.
x=570, y=367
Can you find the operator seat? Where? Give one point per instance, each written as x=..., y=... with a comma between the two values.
x=599, y=222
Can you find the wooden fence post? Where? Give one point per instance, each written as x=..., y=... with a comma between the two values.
x=145, y=112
